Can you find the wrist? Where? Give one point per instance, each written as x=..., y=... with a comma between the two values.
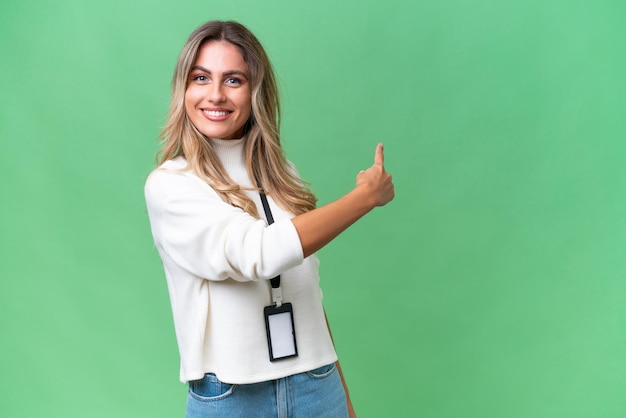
x=364, y=196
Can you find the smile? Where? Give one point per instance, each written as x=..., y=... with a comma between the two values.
x=216, y=113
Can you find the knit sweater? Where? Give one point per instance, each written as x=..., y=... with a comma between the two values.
x=218, y=260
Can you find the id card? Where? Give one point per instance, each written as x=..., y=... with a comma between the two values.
x=281, y=335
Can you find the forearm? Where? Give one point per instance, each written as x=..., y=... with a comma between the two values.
x=351, y=412
x=320, y=226
x=345, y=389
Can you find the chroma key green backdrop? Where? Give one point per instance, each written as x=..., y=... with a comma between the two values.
x=492, y=286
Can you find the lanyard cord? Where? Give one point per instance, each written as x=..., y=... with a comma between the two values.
x=276, y=293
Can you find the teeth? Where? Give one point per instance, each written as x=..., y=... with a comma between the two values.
x=215, y=112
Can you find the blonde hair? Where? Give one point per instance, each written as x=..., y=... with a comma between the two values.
x=265, y=161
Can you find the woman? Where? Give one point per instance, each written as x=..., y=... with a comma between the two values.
x=221, y=156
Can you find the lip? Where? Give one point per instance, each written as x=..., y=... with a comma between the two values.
x=216, y=114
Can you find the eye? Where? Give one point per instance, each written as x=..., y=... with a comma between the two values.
x=233, y=81
x=200, y=78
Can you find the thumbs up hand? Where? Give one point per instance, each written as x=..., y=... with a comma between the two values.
x=377, y=180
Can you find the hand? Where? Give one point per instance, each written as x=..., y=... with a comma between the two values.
x=376, y=180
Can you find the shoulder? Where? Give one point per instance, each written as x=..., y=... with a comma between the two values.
x=174, y=178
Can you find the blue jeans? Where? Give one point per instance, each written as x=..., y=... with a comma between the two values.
x=314, y=394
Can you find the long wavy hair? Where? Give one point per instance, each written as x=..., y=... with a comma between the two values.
x=265, y=160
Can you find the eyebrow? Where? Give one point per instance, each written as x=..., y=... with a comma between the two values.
x=226, y=73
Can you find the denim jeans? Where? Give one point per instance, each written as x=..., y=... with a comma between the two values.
x=314, y=394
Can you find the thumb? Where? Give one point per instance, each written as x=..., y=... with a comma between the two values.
x=379, y=157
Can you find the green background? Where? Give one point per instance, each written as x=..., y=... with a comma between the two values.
x=492, y=286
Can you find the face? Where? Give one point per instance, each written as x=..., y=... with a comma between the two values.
x=218, y=97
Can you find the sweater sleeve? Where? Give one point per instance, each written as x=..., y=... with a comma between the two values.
x=211, y=239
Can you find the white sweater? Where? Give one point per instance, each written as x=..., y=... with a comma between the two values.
x=218, y=261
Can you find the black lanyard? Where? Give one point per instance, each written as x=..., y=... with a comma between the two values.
x=276, y=280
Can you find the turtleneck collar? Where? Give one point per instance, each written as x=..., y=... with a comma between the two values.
x=229, y=151
x=231, y=154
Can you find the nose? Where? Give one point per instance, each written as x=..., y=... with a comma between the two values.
x=216, y=93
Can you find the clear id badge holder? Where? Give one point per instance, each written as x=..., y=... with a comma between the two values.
x=279, y=325
x=281, y=335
